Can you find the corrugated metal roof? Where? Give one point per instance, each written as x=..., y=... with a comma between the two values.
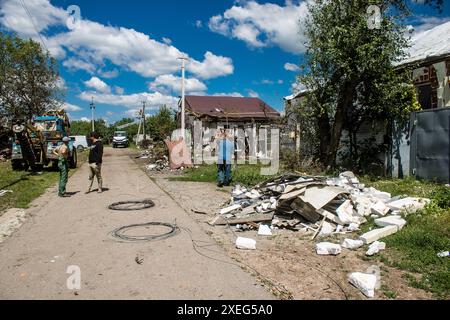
x=231, y=107
x=429, y=44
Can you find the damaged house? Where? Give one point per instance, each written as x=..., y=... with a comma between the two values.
x=244, y=116
x=423, y=149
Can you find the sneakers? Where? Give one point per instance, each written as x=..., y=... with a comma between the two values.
x=220, y=185
x=100, y=191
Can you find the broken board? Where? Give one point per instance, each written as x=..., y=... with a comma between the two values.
x=218, y=221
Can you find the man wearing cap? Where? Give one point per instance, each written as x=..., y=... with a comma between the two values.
x=95, y=161
x=63, y=153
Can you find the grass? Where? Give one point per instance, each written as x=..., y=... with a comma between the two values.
x=388, y=293
x=25, y=186
x=248, y=175
x=415, y=247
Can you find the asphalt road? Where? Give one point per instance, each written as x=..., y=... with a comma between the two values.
x=73, y=234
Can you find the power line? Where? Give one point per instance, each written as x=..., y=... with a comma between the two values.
x=32, y=22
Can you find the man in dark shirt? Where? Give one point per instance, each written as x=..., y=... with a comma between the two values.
x=95, y=161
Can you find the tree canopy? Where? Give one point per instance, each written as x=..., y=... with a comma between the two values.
x=349, y=69
x=28, y=79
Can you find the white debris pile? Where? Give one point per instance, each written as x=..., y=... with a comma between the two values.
x=323, y=206
x=156, y=158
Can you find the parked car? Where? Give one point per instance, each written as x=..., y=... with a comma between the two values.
x=80, y=142
x=120, y=139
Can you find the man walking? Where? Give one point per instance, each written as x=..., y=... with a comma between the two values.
x=63, y=153
x=226, y=149
x=95, y=161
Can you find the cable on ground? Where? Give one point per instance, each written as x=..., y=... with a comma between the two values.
x=120, y=232
x=132, y=205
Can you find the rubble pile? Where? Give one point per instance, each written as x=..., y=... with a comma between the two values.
x=156, y=160
x=321, y=205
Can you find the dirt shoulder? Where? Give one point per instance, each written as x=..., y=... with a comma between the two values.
x=286, y=260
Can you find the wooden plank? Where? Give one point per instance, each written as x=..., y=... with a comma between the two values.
x=305, y=209
x=218, y=221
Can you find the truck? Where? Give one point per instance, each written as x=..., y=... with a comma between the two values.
x=34, y=141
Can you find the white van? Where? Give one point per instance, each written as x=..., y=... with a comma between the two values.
x=80, y=142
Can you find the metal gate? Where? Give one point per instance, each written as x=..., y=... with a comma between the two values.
x=430, y=145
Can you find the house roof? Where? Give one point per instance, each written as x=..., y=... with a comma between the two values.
x=296, y=95
x=231, y=107
x=430, y=44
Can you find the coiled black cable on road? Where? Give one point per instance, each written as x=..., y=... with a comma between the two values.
x=120, y=232
x=132, y=205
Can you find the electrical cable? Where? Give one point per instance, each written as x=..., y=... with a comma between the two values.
x=120, y=232
x=196, y=246
x=32, y=22
x=132, y=205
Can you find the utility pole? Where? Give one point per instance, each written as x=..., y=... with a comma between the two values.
x=183, y=94
x=143, y=119
x=92, y=112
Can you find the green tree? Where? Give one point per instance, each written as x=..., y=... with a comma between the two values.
x=28, y=79
x=84, y=128
x=162, y=124
x=350, y=70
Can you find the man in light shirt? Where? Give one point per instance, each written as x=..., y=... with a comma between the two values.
x=225, y=147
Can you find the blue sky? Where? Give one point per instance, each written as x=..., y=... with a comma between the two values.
x=123, y=52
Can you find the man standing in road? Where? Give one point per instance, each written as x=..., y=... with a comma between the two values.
x=225, y=154
x=95, y=161
x=63, y=153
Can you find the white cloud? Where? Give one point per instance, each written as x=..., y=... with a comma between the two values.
x=71, y=107
x=109, y=74
x=231, y=94
x=14, y=17
x=172, y=84
x=78, y=64
x=211, y=67
x=92, y=44
x=167, y=40
x=154, y=100
x=199, y=24
x=280, y=81
x=253, y=94
x=291, y=67
x=61, y=83
x=424, y=23
x=249, y=34
x=119, y=90
x=261, y=25
x=266, y=81
x=85, y=119
x=97, y=84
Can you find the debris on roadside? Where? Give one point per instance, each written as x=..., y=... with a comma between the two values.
x=443, y=254
x=352, y=244
x=375, y=247
x=365, y=282
x=264, y=230
x=245, y=243
x=324, y=206
x=3, y=192
x=156, y=158
x=328, y=248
